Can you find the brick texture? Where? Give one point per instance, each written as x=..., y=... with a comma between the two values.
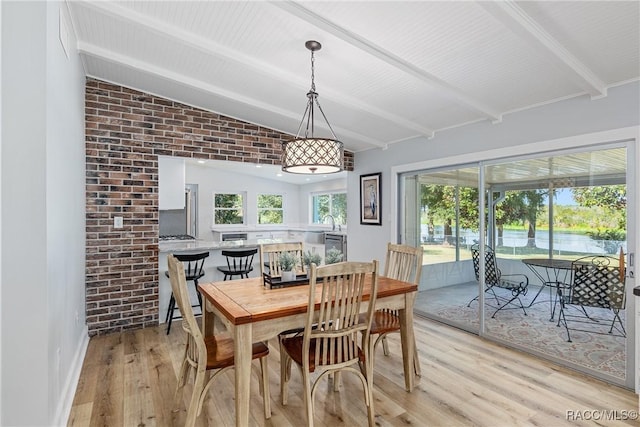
x=126, y=130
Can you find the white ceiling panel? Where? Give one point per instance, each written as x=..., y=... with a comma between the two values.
x=387, y=71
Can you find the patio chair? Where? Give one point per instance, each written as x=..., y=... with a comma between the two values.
x=596, y=282
x=515, y=284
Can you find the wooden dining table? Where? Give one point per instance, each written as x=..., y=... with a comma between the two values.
x=252, y=312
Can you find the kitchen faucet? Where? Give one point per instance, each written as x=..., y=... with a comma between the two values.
x=333, y=221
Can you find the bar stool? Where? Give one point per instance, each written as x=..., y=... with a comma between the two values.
x=239, y=262
x=193, y=270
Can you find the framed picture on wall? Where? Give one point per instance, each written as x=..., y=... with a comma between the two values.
x=370, y=212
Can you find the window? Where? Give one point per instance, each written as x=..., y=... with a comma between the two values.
x=334, y=204
x=270, y=209
x=228, y=208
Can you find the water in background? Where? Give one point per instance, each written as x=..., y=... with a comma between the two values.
x=567, y=242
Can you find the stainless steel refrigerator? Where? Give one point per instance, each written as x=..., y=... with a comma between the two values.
x=178, y=222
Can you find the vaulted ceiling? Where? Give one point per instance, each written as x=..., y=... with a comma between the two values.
x=388, y=71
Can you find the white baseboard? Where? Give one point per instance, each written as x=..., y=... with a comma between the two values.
x=63, y=409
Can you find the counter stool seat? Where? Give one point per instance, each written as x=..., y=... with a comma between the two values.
x=239, y=262
x=194, y=270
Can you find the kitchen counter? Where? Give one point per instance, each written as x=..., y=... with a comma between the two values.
x=214, y=259
x=208, y=245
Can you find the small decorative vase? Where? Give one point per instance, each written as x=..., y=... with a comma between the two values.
x=288, y=276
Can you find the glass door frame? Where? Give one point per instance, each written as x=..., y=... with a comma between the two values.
x=627, y=137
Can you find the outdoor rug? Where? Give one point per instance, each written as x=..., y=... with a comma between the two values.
x=588, y=351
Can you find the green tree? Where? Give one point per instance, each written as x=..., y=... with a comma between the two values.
x=339, y=206
x=613, y=198
x=270, y=209
x=512, y=210
x=439, y=202
x=534, y=200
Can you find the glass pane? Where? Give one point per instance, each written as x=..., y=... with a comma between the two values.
x=447, y=225
x=545, y=216
x=228, y=216
x=339, y=208
x=321, y=205
x=269, y=201
x=270, y=216
x=228, y=201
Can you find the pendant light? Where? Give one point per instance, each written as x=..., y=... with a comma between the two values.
x=308, y=154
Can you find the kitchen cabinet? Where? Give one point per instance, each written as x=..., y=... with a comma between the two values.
x=297, y=235
x=171, y=183
x=253, y=235
x=268, y=234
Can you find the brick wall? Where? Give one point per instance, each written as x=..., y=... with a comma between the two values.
x=126, y=130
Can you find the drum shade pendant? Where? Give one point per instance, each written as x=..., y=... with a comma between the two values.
x=307, y=154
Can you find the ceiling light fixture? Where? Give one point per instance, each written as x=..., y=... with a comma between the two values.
x=307, y=154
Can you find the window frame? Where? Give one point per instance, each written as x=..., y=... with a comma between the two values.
x=281, y=209
x=243, y=209
x=331, y=194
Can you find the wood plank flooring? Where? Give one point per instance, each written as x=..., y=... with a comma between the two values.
x=129, y=379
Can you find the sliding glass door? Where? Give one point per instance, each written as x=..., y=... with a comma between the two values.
x=528, y=222
x=446, y=225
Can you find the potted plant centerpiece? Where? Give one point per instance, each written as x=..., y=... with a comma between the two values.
x=288, y=262
x=333, y=256
x=309, y=258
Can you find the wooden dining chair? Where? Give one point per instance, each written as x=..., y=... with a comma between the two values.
x=202, y=355
x=270, y=254
x=402, y=263
x=333, y=347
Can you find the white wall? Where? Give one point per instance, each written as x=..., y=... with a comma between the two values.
x=211, y=180
x=65, y=213
x=0, y=212
x=43, y=258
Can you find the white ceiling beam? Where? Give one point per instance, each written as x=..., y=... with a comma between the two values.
x=130, y=62
x=380, y=53
x=519, y=22
x=211, y=48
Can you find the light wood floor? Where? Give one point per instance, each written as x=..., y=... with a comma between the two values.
x=129, y=379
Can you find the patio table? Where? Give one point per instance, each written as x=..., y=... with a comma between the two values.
x=553, y=273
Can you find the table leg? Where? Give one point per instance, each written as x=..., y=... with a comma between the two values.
x=407, y=339
x=242, y=348
x=208, y=319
